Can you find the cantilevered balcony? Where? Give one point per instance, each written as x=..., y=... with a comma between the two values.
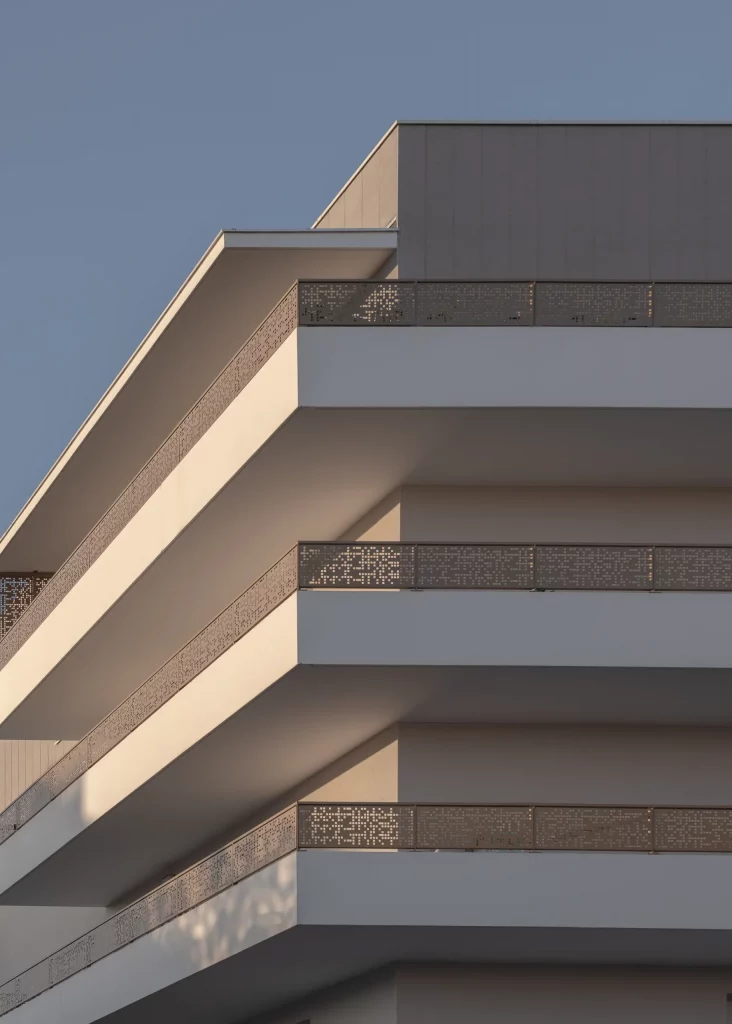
x=394, y=630
x=552, y=879
x=418, y=394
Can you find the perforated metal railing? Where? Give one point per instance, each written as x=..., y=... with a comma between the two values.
x=386, y=565
x=383, y=566
x=401, y=303
x=17, y=591
x=417, y=827
x=383, y=303
x=514, y=827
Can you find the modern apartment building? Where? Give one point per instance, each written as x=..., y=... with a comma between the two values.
x=367, y=654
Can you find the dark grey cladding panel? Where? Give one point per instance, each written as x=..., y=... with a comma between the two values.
x=568, y=202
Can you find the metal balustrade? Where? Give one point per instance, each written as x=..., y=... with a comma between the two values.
x=384, y=565
x=17, y=591
x=401, y=303
x=396, y=303
x=394, y=565
x=414, y=827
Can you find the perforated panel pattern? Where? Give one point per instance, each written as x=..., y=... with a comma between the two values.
x=374, y=565
x=264, y=845
x=583, y=567
x=356, y=826
x=593, y=304
x=357, y=304
x=692, y=305
x=475, y=304
x=17, y=590
x=475, y=566
x=261, y=345
x=693, y=568
x=594, y=828
x=254, y=604
x=693, y=830
x=357, y=565
x=474, y=828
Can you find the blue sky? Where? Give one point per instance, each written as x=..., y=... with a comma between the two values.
x=132, y=130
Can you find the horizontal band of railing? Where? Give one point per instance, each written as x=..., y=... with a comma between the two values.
x=534, y=303
x=8, y=813
x=629, y=545
x=4, y=656
x=466, y=804
x=397, y=565
x=9, y=818
x=620, y=282
x=11, y=997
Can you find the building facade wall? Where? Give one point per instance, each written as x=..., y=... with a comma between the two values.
x=565, y=764
x=570, y=515
x=28, y=934
x=369, y=200
x=565, y=202
x=463, y=762
x=525, y=995
x=622, y=515
x=368, y=1000
x=24, y=761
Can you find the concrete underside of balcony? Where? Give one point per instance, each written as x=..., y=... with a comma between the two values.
x=332, y=423
x=326, y=671
x=318, y=917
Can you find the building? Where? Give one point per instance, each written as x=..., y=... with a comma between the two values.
x=408, y=534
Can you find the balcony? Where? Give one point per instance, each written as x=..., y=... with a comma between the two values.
x=378, y=304
x=386, y=566
x=636, y=894
x=309, y=403
x=406, y=631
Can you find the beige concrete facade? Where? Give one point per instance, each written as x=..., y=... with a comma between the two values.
x=550, y=515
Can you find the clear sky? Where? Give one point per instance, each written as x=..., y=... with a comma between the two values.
x=131, y=131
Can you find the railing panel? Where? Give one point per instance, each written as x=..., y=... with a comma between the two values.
x=357, y=565
x=693, y=830
x=692, y=305
x=594, y=828
x=17, y=592
x=357, y=304
x=356, y=826
x=451, y=827
x=692, y=568
x=475, y=566
x=474, y=304
x=593, y=304
x=588, y=567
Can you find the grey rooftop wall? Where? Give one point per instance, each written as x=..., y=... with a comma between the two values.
x=550, y=201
